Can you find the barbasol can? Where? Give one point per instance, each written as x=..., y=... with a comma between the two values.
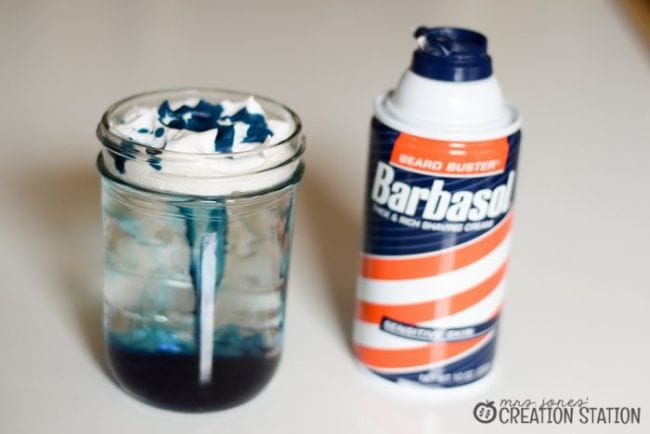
x=441, y=181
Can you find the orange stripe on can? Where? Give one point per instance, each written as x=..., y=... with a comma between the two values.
x=430, y=310
x=432, y=353
x=442, y=262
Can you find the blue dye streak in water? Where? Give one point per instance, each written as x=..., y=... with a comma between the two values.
x=230, y=340
x=199, y=224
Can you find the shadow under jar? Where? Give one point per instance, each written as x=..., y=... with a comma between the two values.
x=197, y=250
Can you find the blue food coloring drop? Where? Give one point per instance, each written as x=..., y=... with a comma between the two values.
x=154, y=161
x=258, y=129
x=202, y=117
x=225, y=138
x=206, y=116
x=127, y=152
x=168, y=117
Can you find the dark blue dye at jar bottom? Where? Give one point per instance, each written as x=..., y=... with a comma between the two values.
x=171, y=381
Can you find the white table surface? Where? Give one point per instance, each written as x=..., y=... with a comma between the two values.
x=576, y=315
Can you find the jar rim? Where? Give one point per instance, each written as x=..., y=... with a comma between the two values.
x=294, y=179
x=111, y=139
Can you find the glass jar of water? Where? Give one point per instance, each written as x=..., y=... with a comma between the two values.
x=197, y=249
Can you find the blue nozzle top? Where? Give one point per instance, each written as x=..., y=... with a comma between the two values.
x=451, y=54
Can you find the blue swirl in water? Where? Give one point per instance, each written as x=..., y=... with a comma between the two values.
x=201, y=222
x=229, y=340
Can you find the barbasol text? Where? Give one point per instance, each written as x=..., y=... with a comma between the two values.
x=440, y=204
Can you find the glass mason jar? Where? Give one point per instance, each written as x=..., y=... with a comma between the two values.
x=197, y=250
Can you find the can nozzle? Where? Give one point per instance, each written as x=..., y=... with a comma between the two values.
x=451, y=54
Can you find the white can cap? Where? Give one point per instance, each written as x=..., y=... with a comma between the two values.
x=449, y=92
